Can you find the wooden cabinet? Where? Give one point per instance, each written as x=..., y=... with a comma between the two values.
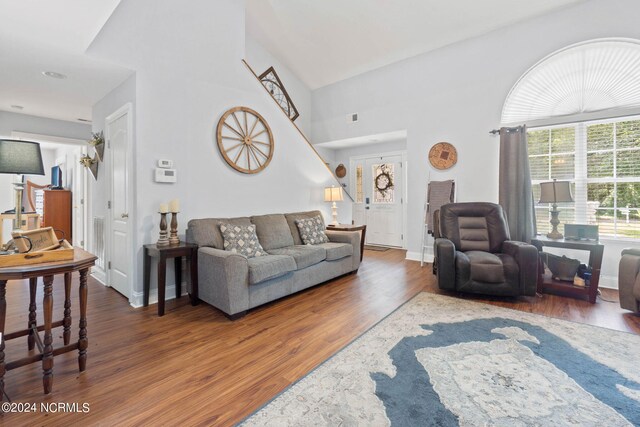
x=57, y=212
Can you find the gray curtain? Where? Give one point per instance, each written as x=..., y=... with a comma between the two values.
x=516, y=196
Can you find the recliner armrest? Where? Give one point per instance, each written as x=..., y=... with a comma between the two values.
x=631, y=251
x=445, y=259
x=526, y=257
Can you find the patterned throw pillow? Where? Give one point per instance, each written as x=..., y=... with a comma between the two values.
x=241, y=239
x=312, y=230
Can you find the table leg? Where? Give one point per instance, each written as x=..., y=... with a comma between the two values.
x=32, y=324
x=162, y=279
x=66, y=320
x=47, y=356
x=193, y=266
x=3, y=312
x=177, y=263
x=362, y=238
x=83, y=342
x=147, y=277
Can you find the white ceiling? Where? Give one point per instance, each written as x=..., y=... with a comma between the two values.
x=360, y=141
x=37, y=36
x=330, y=40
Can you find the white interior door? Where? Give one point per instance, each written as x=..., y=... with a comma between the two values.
x=118, y=269
x=379, y=183
x=79, y=197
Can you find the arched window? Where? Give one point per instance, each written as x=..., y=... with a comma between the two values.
x=588, y=97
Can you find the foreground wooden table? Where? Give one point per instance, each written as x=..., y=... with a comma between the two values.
x=82, y=262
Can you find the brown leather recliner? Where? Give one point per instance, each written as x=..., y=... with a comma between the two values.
x=629, y=280
x=473, y=252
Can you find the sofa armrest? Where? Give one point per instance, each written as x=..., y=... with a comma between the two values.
x=631, y=251
x=445, y=259
x=351, y=237
x=526, y=257
x=223, y=279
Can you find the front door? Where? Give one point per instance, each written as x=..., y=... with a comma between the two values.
x=117, y=133
x=378, y=199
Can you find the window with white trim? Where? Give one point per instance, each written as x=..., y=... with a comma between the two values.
x=602, y=161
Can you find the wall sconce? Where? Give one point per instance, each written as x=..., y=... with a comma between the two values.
x=91, y=164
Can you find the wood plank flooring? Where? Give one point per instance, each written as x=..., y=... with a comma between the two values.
x=195, y=367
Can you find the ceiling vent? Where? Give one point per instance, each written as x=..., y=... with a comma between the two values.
x=352, y=118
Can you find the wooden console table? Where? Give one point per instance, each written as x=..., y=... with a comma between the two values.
x=81, y=262
x=595, y=250
x=350, y=227
x=188, y=250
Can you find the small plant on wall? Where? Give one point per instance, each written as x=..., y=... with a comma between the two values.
x=97, y=142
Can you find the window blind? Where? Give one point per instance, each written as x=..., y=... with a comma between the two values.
x=602, y=161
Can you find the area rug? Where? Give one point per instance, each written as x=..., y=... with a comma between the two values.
x=442, y=361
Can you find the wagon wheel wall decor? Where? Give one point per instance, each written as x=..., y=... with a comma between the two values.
x=245, y=140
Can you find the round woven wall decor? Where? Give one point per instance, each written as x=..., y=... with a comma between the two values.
x=443, y=155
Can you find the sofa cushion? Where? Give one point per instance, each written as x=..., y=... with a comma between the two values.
x=337, y=250
x=485, y=267
x=241, y=239
x=206, y=231
x=273, y=231
x=269, y=267
x=312, y=230
x=291, y=221
x=304, y=255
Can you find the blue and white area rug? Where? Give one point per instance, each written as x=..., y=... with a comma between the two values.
x=441, y=361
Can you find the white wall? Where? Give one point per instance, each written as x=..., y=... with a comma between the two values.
x=260, y=59
x=456, y=94
x=186, y=79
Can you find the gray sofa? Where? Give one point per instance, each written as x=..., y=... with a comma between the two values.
x=235, y=284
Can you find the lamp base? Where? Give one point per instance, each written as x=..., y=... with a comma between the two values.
x=555, y=234
x=334, y=214
x=17, y=220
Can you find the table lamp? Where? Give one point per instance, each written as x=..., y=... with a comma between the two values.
x=333, y=194
x=21, y=158
x=555, y=192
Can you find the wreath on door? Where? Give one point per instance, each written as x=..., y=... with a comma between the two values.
x=384, y=180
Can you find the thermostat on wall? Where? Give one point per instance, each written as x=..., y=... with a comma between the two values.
x=165, y=164
x=166, y=175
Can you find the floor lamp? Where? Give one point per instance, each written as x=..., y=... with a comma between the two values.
x=21, y=158
x=555, y=192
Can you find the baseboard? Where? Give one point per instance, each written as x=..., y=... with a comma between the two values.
x=608, y=282
x=137, y=298
x=99, y=275
x=416, y=256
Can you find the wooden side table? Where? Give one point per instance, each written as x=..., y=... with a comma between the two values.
x=81, y=262
x=350, y=227
x=595, y=250
x=188, y=250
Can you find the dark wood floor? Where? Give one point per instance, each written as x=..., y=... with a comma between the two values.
x=195, y=367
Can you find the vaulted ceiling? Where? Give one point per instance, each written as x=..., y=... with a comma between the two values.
x=330, y=40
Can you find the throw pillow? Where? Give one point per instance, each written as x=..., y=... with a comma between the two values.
x=312, y=230
x=241, y=239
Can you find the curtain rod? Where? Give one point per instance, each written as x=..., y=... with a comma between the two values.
x=497, y=131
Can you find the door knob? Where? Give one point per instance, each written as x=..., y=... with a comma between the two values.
x=124, y=215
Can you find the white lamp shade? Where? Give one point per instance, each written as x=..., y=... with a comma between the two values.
x=333, y=194
x=555, y=192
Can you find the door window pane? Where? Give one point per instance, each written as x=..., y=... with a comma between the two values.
x=383, y=183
